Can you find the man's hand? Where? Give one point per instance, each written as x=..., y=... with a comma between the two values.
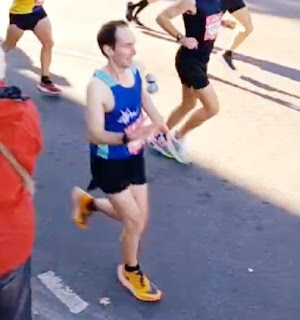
x=163, y=129
x=190, y=43
x=230, y=24
x=39, y=2
x=142, y=132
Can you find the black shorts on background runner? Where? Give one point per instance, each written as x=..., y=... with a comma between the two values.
x=27, y=21
x=115, y=175
x=191, y=70
x=232, y=5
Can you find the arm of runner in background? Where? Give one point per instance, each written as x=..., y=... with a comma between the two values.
x=99, y=96
x=179, y=8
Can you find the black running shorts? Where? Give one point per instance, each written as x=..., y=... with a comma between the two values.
x=113, y=176
x=27, y=21
x=191, y=70
x=232, y=5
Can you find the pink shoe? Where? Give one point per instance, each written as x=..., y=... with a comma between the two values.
x=49, y=88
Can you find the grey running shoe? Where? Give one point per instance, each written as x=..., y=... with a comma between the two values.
x=178, y=149
x=160, y=144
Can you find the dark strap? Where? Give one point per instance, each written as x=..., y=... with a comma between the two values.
x=12, y=93
x=28, y=181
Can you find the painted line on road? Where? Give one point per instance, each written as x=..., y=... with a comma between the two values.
x=62, y=292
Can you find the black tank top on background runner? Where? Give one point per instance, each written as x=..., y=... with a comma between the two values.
x=204, y=26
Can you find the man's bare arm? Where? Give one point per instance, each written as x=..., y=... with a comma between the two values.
x=165, y=17
x=97, y=94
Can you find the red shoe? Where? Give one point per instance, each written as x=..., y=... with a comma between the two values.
x=49, y=87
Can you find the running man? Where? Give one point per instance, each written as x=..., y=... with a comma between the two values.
x=133, y=10
x=202, y=20
x=116, y=101
x=239, y=10
x=30, y=15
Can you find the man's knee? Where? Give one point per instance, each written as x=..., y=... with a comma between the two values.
x=136, y=224
x=8, y=45
x=248, y=29
x=212, y=110
x=48, y=43
x=188, y=104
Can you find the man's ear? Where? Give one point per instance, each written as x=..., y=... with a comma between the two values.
x=108, y=50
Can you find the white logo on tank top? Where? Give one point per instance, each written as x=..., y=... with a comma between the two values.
x=126, y=116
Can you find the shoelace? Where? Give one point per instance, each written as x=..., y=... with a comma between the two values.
x=142, y=277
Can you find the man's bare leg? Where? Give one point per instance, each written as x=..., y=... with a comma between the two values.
x=244, y=18
x=208, y=98
x=13, y=35
x=43, y=32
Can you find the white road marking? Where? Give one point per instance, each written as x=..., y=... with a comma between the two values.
x=55, y=284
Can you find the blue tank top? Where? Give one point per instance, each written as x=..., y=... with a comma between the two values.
x=125, y=116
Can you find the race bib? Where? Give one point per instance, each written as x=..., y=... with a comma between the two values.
x=213, y=24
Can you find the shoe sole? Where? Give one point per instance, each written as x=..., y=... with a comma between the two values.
x=175, y=155
x=75, y=213
x=161, y=150
x=128, y=286
x=46, y=92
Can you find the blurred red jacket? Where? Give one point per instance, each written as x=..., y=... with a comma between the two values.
x=20, y=132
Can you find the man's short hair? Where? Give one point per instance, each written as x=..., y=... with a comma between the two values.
x=107, y=33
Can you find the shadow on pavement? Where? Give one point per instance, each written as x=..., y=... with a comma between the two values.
x=281, y=70
x=285, y=9
x=260, y=94
x=18, y=60
x=268, y=87
x=217, y=251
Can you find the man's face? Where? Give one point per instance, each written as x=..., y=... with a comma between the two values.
x=125, y=47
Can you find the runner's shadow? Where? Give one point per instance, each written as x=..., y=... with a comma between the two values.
x=146, y=28
x=260, y=94
x=268, y=87
x=287, y=9
x=148, y=33
x=19, y=62
x=155, y=33
x=281, y=70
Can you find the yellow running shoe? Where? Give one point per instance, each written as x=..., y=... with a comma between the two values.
x=81, y=211
x=139, y=285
